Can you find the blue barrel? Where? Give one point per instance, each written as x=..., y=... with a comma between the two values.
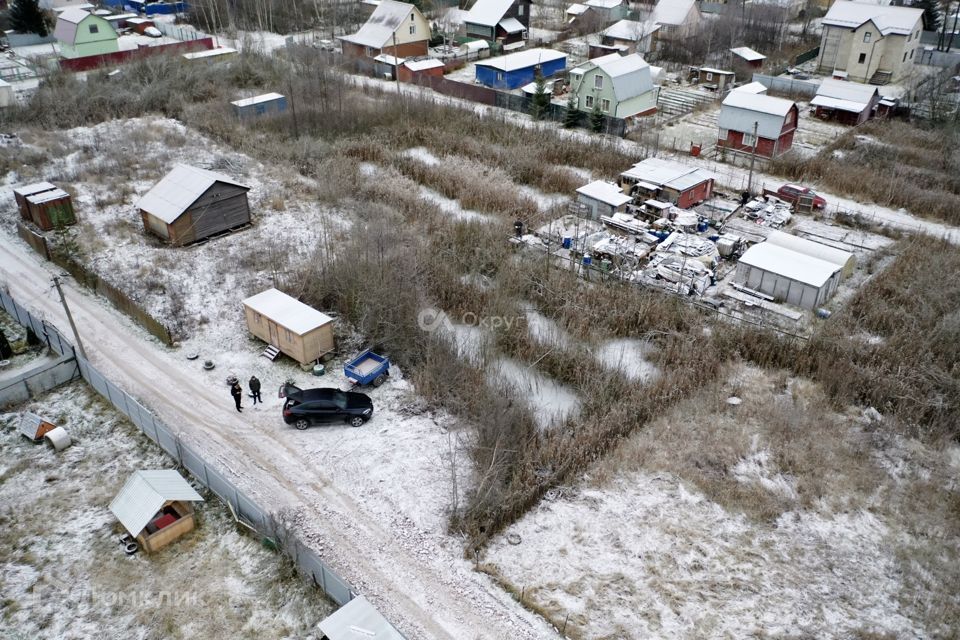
x=713, y=238
x=587, y=261
x=567, y=241
x=702, y=226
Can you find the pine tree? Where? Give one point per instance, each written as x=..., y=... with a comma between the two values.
x=571, y=117
x=26, y=17
x=541, y=99
x=596, y=118
x=931, y=13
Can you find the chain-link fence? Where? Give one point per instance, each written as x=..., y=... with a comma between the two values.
x=243, y=507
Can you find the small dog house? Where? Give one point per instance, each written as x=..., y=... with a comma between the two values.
x=34, y=427
x=191, y=204
x=289, y=326
x=155, y=508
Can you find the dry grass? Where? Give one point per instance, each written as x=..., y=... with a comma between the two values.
x=897, y=165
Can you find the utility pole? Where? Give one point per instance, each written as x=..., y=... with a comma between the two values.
x=66, y=309
x=753, y=158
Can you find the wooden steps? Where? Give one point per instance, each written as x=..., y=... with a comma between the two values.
x=271, y=353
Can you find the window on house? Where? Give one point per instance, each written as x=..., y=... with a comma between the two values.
x=709, y=76
x=411, y=18
x=589, y=102
x=723, y=134
x=862, y=58
x=911, y=53
x=749, y=139
x=520, y=9
x=904, y=56
x=94, y=28
x=598, y=81
x=867, y=35
x=605, y=105
x=413, y=29
x=499, y=75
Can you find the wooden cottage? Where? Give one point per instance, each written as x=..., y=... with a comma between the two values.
x=288, y=326
x=192, y=204
x=45, y=205
x=155, y=507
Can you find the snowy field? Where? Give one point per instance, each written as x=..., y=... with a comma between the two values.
x=649, y=545
x=64, y=575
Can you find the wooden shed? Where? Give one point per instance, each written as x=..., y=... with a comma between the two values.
x=289, y=326
x=192, y=204
x=45, y=205
x=155, y=507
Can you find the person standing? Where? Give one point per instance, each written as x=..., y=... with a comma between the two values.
x=255, y=390
x=237, y=394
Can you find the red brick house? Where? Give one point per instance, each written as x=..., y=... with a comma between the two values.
x=395, y=28
x=774, y=119
x=667, y=181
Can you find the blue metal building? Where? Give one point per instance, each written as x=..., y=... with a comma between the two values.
x=268, y=103
x=517, y=69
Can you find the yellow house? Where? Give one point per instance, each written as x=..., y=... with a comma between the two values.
x=289, y=326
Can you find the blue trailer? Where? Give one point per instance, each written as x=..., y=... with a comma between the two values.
x=367, y=368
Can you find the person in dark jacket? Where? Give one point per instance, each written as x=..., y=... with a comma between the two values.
x=237, y=394
x=255, y=390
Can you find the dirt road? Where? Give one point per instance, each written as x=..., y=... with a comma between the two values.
x=425, y=591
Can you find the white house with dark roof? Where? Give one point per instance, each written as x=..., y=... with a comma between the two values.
x=620, y=86
x=394, y=28
x=870, y=42
x=503, y=21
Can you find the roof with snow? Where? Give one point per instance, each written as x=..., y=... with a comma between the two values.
x=511, y=25
x=423, y=65
x=577, y=9
x=266, y=97
x=522, y=59
x=382, y=24
x=672, y=12
x=753, y=87
x=667, y=173
x=31, y=189
x=287, y=311
x=358, y=620
x=844, y=95
x=69, y=20
x=630, y=74
x=179, y=189
x=789, y=264
x=604, y=4
x=630, y=30
x=741, y=109
x=144, y=495
x=832, y=255
x=605, y=192
x=748, y=54
x=74, y=15
x=488, y=13
x=889, y=20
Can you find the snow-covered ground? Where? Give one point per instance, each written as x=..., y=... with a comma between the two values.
x=64, y=575
x=633, y=550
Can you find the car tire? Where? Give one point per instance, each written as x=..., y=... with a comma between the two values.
x=301, y=424
x=356, y=421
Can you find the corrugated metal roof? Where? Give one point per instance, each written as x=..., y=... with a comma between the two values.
x=511, y=25
x=379, y=28
x=73, y=15
x=522, y=59
x=789, y=264
x=809, y=247
x=36, y=187
x=748, y=54
x=488, y=12
x=144, y=494
x=741, y=109
x=672, y=12
x=179, y=189
x=605, y=192
x=358, y=620
x=630, y=74
x=422, y=65
x=752, y=87
x=47, y=196
x=665, y=173
x=889, y=20
x=266, y=97
x=287, y=311
x=852, y=92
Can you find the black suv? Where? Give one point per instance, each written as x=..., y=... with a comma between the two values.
x=306, y=406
